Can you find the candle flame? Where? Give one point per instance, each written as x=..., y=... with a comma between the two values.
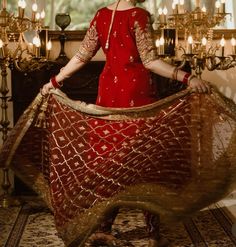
x=162, y=41
x=34, y=7
x=37, y=16
x=36, y=41
x=204, y=9
x=160, y=11
x=49, y=45
x=42, y=14
x=23, y=4
x=190, y=39
x=233, y=41
x=217, y=4
x=204, y=41
x=165, y=11
x=157, y=43
x=222, y=42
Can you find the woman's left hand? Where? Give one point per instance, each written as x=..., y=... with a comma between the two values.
x=199, y=85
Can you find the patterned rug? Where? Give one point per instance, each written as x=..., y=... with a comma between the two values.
x=32, y=225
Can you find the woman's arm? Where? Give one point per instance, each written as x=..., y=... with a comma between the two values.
x=71, y=67
x=87, y=49
x=147, y=51
x=166, y=70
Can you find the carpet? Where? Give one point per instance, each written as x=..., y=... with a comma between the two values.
x=32, y=225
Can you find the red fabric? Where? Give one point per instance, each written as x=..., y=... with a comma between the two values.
x=176, y=158
x=124, y=81
x=92, y=159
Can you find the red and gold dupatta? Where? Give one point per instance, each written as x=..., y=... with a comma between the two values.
x=173, y=157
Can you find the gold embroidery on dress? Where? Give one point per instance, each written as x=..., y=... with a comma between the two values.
x=145, y=43
x=89, y=45
x=115, y=79
x=134, y=13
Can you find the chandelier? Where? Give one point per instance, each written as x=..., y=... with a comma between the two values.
x=14, y=48
x=197, y=48
x=25, y=56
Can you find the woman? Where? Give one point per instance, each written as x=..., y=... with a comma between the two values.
x=124, y=33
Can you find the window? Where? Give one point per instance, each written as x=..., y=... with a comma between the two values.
x=82, y=11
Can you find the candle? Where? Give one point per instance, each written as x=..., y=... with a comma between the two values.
x=48, y=48
x=204, y=9
x=222, y=6
x=233, y=43
x=4, y=4
x=181, y=6
x=165, y=12
x=2, y=53
x=21, y=8
x=42, y=16
x=174, y=8
x=161, y=16
x=158, y=46
x=37, y=44
x=222, y=43
x=197, y=3
x=162, y=43
x=37, y=16
x=204, y=41
x=190, y=44
x=217, y=5
x=34, y=10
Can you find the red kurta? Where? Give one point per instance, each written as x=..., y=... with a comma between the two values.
x=124, y=81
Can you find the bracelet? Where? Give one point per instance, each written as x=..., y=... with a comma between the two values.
x=55, y=84
x=186, y=78
x=175, y=73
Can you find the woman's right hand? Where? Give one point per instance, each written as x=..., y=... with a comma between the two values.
x=46, y=88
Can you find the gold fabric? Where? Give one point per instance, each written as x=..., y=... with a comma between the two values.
x=89, y=45
x=145, y=42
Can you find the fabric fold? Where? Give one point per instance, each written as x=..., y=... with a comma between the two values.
x=173, y=157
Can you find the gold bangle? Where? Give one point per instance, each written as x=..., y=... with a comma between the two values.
x=175, y=73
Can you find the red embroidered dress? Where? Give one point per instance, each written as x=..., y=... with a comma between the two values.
x=124, y=81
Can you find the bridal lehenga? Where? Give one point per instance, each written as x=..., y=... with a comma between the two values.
x=172, y=158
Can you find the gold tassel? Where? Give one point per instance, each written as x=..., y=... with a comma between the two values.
x=41, y=118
